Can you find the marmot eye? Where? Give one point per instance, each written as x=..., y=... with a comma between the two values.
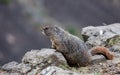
x=46, y=28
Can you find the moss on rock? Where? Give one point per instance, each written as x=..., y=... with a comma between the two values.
x=113, y=41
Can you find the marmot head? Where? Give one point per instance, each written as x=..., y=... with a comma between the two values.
x=51, y=30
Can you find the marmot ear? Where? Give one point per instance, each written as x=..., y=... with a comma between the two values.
x=56, y=25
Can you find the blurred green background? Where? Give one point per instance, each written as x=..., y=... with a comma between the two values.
x=20, y=21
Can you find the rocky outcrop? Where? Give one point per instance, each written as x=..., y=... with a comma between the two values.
x=40, y=62
x=50, y=62
x=107, y=35
x=43, y=58
x=33, y=62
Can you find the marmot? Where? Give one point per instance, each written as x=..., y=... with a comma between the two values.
x=73, y=48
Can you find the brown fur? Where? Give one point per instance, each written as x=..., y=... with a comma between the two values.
x=73, y=48
x=102, y=50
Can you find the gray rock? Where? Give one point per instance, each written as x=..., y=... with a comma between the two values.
x=10, y=74
x=95, y=30
x=99, y=35
x=46, y=62
x=43, y=58
x=115, y=48
x=33, y=62
x=24, y=68
x=10, y=66
x=35, y=71
x=53, y=70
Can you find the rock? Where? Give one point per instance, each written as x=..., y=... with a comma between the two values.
x=34, y=71
x=40, y=62
x=24, y=68
x=115, y=48
x=50, y=62
x=33, y=62
x=10, y=74
x=10, y=66
x=102, y=35
x=53, y=70
x=113, y=41
x=44, y=58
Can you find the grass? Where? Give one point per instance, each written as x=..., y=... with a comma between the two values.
x=74, y=31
